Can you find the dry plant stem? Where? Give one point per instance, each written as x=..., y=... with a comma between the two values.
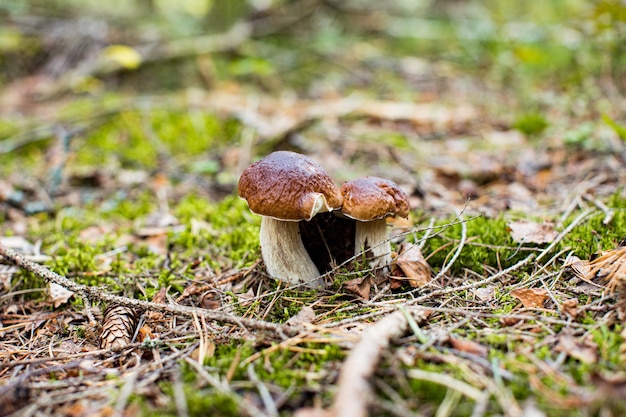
x=354, y=389
x=564, y=233
x=480, y=283
x=98, y=294
x=456, y=255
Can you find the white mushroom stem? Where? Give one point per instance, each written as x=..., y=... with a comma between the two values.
x=284, y=254
x=372, y=237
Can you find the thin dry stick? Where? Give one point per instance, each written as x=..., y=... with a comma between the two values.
x=264, y=393
x=354, y=389
x=564, y=233
x=98, y=294
x=487, y=280
x=447, y=267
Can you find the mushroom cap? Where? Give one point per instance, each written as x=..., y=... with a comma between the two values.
x=372, y=198
x=288, y=186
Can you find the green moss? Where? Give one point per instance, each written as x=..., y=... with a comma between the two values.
x=481, y=230
x=531, y=124
x=593, y=235
x=200, y=402
x=136, y=139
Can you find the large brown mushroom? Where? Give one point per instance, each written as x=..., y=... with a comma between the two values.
x=286, y=188
x=369, y=201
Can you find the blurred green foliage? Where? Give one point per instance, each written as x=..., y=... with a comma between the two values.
x=558, y=43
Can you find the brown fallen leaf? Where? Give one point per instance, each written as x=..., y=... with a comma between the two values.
x=609, y=385
x=531, y=297
x=412, y=265
x=585, y=351
x=145, y=333
x=204, y=351
x=210, y=300
x=570, y=308
x=509, y=321
x=161, y=296
x=526, y=231
x=469, y=346
x=359, y=286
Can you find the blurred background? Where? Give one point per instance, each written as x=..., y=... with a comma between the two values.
x=315, y=46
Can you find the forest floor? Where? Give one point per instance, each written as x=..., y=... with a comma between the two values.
x=120, y=152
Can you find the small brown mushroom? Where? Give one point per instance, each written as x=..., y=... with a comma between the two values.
x=370, y=201
x=286, y=188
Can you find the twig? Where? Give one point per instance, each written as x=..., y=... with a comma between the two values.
x=125, y=392
x=480, y=283
x=97, y=294
x=608, y=212
x=447, y=267
x=264, y=393
x=354, y=390
x=179, y=395
x=564, y=233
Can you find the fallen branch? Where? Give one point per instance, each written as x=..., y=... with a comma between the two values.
x=354, y=389
x=98, y=294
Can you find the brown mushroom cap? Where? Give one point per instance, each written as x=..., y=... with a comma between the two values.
x=288, y=186
x=373, y=198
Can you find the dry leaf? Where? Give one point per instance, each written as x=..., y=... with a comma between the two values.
x=610, y=266
x=305, y=316
x=469, y=346
x=531, y=297
x=359, y=286
x=145, y=332
x=211, y=300
x=161, y=296
x=6, y=273
x=509, y=321
x=58, y=294
x=485, y=294
x=204, y=351
x=412, y=265
x=585, y=351
x=570, y=308
x=526, y=231
x=580, y=268
x=609, y=386
x=76, y=409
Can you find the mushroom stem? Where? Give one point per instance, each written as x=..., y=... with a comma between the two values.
x=372, y=237
x=284, y=254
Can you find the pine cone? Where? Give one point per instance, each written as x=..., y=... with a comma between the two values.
x=118, y=327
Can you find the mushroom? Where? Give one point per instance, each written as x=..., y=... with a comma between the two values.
x=369, y=201
x=286, y=188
